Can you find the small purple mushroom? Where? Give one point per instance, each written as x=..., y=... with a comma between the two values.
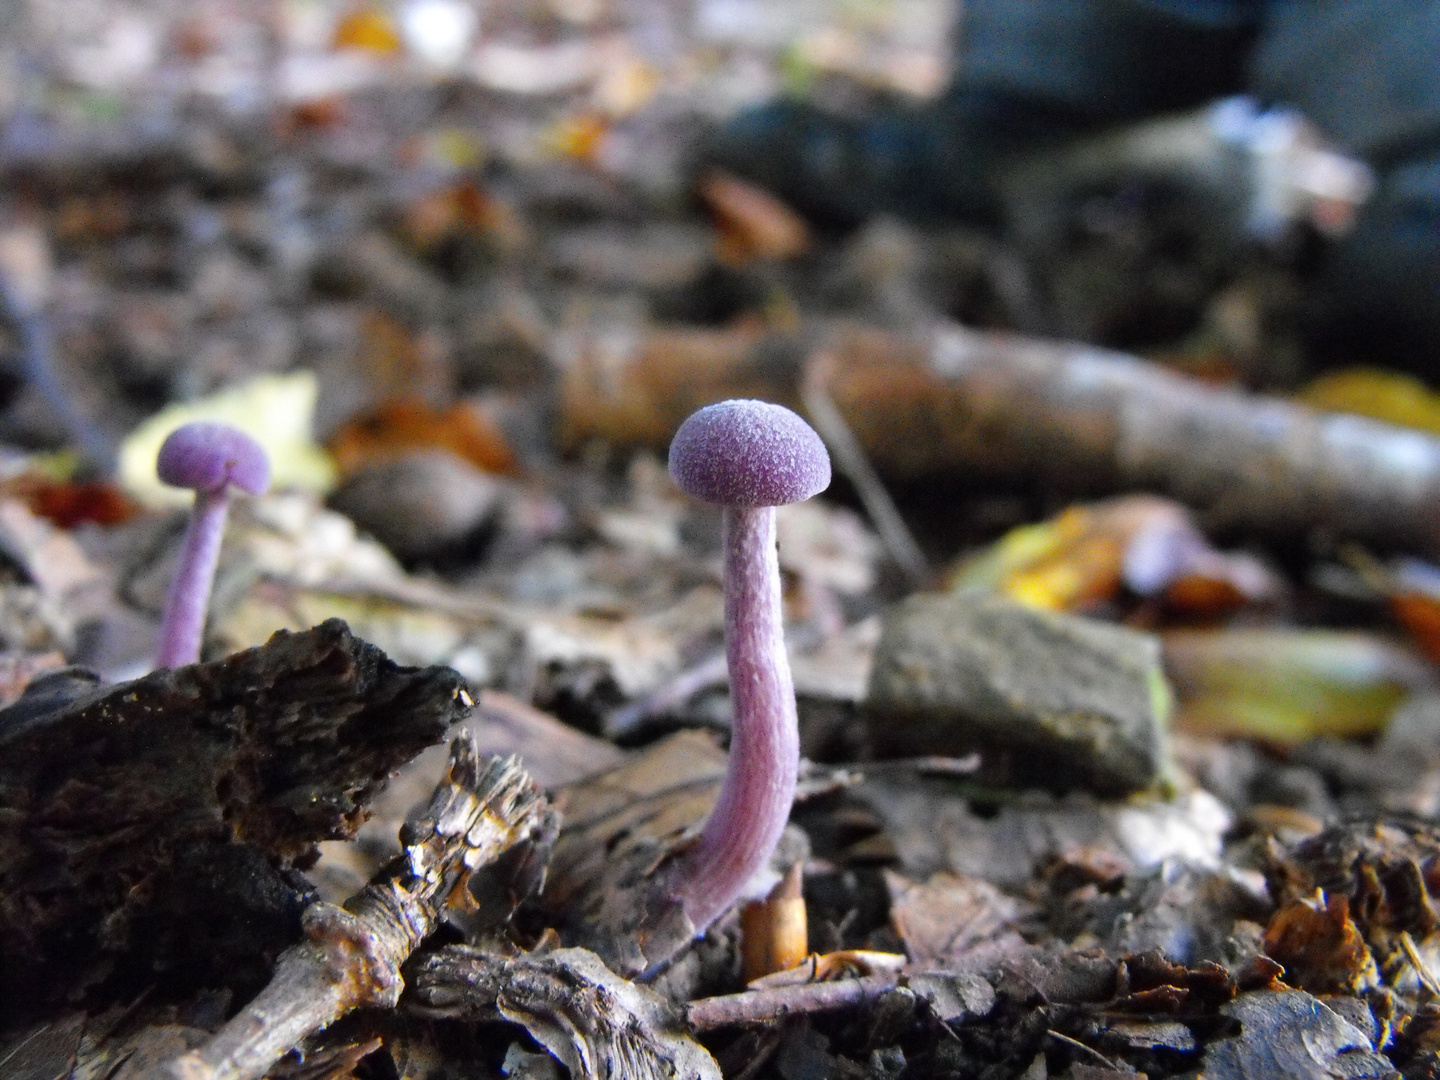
x=207, y=458
x=748, y=456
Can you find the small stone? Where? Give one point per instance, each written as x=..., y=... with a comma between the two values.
x=1050, y=700
x=423, y=505
x=1289, y=1035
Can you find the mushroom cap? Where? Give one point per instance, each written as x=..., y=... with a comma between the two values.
x=208, y=456
x=748, y=453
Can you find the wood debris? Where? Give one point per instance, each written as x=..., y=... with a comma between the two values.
x=352, y=955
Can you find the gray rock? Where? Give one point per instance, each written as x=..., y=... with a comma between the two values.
x=421, y=505
x=1290, y=1035
x=1051, y=700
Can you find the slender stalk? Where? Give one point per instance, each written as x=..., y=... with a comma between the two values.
x=759, y=785
x=183, y=625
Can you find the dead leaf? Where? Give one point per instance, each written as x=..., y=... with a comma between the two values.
x=1381, y=395
x=753, y=223
x=368, y=28
x=1286, y=686
x=465, y=429
x=1087, y=553
x=943, y=918
x=1321, y=947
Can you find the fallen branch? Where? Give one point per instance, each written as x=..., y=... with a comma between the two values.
x=997, y=406
x=1090, y=419
x=353, y=954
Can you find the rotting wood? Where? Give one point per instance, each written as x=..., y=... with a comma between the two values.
x=598, y=1024
x=158, y=823
x=353, y=954
x=1001, y=407
x=1091, y=419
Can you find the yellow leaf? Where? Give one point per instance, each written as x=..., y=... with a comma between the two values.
x=1380, y=395
x=1286, y=686
x=370, y=29
x=275, y=410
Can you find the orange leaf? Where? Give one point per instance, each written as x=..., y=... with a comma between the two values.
x=69, y=503
x=464, y=429
x=367, y=28
x=753, y=223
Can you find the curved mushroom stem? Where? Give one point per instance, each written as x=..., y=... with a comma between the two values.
x=183, y=625
x=759, y=785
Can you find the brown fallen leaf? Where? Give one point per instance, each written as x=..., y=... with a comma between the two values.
x=753, y=223
x=944, y=917
x=618, y=828
x=464, y=428
x=1320, y=946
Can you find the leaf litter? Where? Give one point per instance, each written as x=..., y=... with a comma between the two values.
x=458, y=273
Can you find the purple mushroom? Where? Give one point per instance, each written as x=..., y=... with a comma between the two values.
x=207, y=458
x=748, y=456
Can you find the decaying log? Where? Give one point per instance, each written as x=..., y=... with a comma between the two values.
x=630, y=386
x=1001, y=407
x=1088, y=418
x=162, y=819
x=352, y=955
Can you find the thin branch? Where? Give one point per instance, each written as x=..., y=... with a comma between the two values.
x=353, y=954
x=759, y=1006
x=1422, y=969
x=855, y=464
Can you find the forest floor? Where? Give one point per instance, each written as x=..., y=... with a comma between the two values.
x=1113, y=640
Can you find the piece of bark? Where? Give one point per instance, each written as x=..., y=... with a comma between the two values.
x=596, y=1023
x=353, y=954
x=162, y=819
x=1090, y=419
x=620, y=826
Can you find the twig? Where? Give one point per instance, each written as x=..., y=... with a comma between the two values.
x=1000, y=407
x=1422, y=969
x=37, y=361
x=709, y=672
x=758, y=1006
x=1088, y=1051
x=352, y=955
x=854, y=463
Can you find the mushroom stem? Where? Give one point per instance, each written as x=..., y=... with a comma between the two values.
x=759, y=785
x=182, y=627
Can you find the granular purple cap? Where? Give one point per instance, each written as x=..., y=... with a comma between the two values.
x=207, y=456
x=748, y=453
